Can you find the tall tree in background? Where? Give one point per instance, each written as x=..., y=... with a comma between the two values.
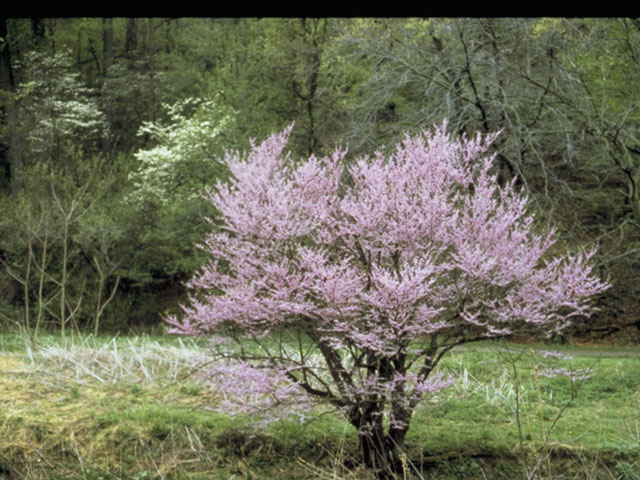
x=562, y=92
x=10, y=154
x=564, y=95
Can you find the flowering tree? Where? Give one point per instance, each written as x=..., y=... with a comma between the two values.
x=377, y=269
x=179, y=164
x=56, y=108
x=166, y=201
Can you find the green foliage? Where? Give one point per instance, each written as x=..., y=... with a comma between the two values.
x=628, y=471
x=160, y=98
x=184, y=160
x=60, y=232
x=164, y=214
x=84, y=426
x=57, y=111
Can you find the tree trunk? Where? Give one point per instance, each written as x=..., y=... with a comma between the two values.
x=633, y=175
x=37, y=31
x=131, y=38
x=107, y=45
x=10, y=151
x=382, y=454
x=152, y=67
x=107, y=63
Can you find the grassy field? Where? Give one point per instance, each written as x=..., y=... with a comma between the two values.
x=137, y=408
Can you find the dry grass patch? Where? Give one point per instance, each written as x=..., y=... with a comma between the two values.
x=71, y=408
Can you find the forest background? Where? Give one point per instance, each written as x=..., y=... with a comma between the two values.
x=110, y=130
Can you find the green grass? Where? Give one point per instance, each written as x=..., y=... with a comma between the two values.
x=131, y=408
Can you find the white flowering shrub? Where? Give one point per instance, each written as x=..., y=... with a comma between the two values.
x=165, y=206
x=183, y=160
x=57, y=108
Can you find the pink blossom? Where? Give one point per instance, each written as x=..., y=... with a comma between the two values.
x=358, y=276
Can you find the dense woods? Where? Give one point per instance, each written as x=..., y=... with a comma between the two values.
x=110, y=129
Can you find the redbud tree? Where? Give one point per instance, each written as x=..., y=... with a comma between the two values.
x=362, y=275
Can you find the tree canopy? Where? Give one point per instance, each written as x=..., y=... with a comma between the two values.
x=153, y=104
x=382, y=268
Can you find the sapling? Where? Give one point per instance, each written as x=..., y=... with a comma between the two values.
x=349, y=281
